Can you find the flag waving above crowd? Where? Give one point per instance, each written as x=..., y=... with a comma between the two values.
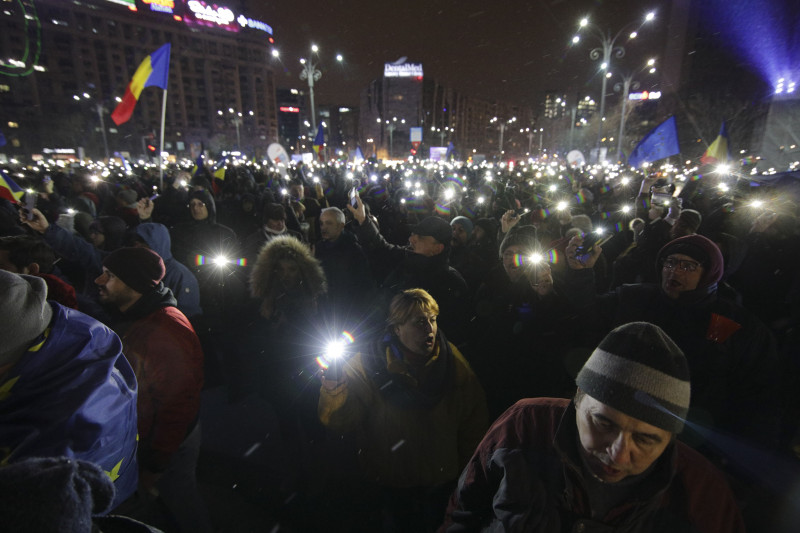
x=660, y=143
x=152, y=72
x=718, y=151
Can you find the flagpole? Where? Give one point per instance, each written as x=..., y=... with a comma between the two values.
x=161, y=147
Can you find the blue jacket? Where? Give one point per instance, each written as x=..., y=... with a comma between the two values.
x=178, y=278
x=73, y=394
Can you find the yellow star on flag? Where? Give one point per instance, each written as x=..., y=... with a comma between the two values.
x=5, y=390
x=114, y=474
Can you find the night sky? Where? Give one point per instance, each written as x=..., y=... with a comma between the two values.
x=511, y=50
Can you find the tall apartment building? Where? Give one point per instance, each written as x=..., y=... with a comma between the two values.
x=555, y=105
x=66, y=61
x=404, y=98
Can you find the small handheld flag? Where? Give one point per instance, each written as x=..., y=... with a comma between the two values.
x=9, y=189
x=319, y=141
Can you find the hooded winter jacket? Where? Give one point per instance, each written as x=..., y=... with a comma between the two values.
x=73, y=394
x=202, y=237
x=178, y=278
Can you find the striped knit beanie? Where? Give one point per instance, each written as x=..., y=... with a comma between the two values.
x=638, y=370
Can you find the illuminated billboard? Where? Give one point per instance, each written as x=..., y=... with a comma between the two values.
x=645, y=95
x=405, y=70
x=212, y=15
x=245, y=22
x=161, y=6
x=201, y=13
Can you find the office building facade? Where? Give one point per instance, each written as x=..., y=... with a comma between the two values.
x=67, y=61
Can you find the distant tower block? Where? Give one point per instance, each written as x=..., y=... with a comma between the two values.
x=780, y=143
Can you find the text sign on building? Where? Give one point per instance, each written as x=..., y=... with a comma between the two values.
x=162, y=6
x=438, y=153
x=645, y=95
x=203, y=14
x=406, y=70
x=131, y=4
x=245, y=22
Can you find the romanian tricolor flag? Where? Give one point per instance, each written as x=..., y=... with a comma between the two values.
x=10, y=190
x=718, y=152
x=153, y=72
x=319, y=141
x=219, y=169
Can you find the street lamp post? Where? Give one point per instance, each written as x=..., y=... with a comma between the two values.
x=503, y=125
x=100, y=110
x=530, y=135
x=311, y=74
x=608, y=47
x=236, y=120
x=541, y=135
x=391, y=126
x=574, y=115
x=625, y=87
x=442, y=133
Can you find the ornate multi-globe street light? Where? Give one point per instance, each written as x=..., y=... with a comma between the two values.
x=625, y=87
x=608, y=47
x=503, y=124
x=98, y=106
x=391, y=125
x=236, y=120
x=311, y=74
x=442, y=133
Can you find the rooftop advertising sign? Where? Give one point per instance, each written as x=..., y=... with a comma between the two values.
x=406, y=70
x=202, y=13
x=245, y=22
x=199, y=13
x=162, y=6
x=212, y=15
x=645, y=95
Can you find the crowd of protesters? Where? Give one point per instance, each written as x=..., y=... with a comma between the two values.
x=454, y=291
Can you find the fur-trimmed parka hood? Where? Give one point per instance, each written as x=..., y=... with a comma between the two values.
x=265, y=284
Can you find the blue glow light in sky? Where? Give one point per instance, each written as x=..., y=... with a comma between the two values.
x=765, y=33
